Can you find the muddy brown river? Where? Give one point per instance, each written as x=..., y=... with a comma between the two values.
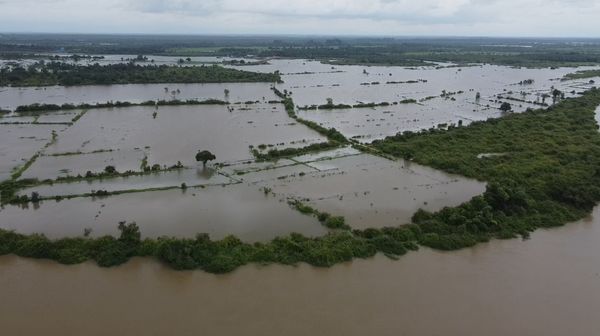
x=548, y=285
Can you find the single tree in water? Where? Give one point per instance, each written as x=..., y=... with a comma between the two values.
x=505, y=107
x=205, y=156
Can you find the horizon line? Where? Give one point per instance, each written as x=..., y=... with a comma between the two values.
x=302, y=35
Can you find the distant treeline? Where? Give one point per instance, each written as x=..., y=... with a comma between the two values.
x=422, y=54
x=58, y=73
x=528, y=52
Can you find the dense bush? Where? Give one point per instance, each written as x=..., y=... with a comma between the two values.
x=546, y=174
x=57, y=73
x=274, y=154
x=53, y=107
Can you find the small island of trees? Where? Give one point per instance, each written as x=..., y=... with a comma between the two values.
x=58, y=73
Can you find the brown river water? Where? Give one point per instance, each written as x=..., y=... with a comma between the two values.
x=548, y=285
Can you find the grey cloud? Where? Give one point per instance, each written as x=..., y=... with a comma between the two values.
x=387, y=17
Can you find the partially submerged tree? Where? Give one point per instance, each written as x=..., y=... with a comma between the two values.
x=557, y=94
x=505, y=107
x=110, y=170
x=205, y=156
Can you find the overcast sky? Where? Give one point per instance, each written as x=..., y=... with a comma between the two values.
x=553, y=18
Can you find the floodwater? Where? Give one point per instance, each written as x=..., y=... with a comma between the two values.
x=241, y=210
x=548, y=285
x=176, y=133
x=51, y=167
x=18, y=143
x=367, y=190
x=368, y=124
x=198, y=176
x=370, y=191
x=11, y=97
x=311, y=83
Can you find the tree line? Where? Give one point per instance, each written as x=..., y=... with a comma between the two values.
x=59, y=73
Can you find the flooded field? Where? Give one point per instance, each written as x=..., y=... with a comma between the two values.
x=548, y=285
x=176, y=133
x=52, y=167
x=190, y=176
x=18, y=143
x=219, y=211
x=444, y=94
x=368, y=124
x=367, y=190
x=313, y=82
x=370, y=191
x=11, y=97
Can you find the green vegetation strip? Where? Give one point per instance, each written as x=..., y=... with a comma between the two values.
x=582, y=74
x=329, y=221
x=335, y=138
x=275, y=154
x=213, y=256
x=331, y=106
x=549, y=176
x=54, y=107
x=57, y=73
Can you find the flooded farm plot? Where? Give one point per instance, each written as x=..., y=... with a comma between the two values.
x=12, y=118
x=18, y=143
x=370, y=191
x=312, y=83
x=267, y=177
x=176, y=133
x=52, y=167
x=239, y=209
x=265, y=173
x=368, y=124
x=197, y=176
x=57, y=117
x=11, y=97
